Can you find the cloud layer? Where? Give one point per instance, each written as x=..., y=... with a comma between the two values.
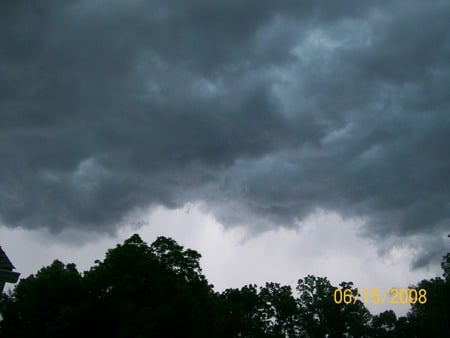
x=265, y=112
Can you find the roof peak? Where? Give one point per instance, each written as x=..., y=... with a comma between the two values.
x=5, y=263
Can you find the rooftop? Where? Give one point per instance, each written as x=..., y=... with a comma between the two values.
x=5, y=263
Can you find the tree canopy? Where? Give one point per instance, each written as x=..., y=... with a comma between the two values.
x=158, y=290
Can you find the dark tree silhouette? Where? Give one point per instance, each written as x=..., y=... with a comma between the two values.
x=322, y=316
x=155, y=290
x=158, y=290
x=432, y=318
x=240, y=312
x=137, y=290
x=44, y=303
x=279, y=310
x=384, y=325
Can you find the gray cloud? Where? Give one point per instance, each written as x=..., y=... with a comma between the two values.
x=266, y=112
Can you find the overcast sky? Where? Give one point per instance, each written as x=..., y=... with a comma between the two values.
x=278, y=138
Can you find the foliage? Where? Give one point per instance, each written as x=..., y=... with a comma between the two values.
x=46, y=300
x=436, y=310
x=322, y=316
x=158, y=290
x=384, y=324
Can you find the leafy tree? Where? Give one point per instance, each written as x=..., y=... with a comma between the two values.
x=185, y=263
x=432, y=318
x=279, y=310
x=384, y=324
x=322, y=316
x=403, y=328
x=42, y=305
x=137, y=290
x=155, y=290
x=158, y=290
x=240, y=312
x=429, y=317
x=446, y=267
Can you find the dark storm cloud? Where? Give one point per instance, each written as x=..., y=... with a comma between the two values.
x=266, y=111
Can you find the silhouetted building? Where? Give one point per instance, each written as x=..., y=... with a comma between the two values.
x=7, y=275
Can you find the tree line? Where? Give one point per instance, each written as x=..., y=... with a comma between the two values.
x=158, y=290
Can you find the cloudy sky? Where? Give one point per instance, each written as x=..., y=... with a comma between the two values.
x=278, y=138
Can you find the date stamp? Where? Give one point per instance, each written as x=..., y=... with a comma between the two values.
x=375, y=296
